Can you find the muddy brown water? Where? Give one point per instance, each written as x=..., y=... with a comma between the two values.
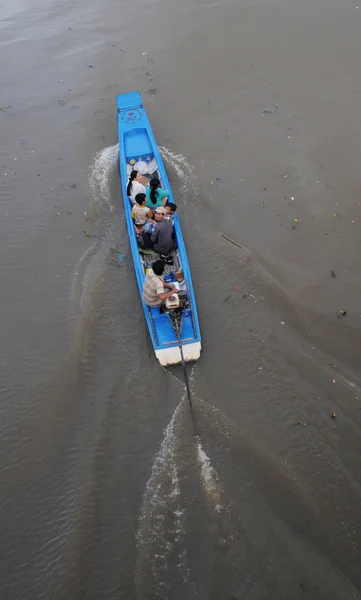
x=105, y=492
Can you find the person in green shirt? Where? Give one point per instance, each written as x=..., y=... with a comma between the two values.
x=156, y=196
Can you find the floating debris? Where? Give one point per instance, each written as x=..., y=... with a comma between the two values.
x=269, y=112
x=260, y=339
x=333, y=416
x=301, y=423
x=333, y=273
x=341, y=313
x=118, y=259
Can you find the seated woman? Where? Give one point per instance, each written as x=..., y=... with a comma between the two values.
x=155, y=195
x=135, y=186
x=141, y=214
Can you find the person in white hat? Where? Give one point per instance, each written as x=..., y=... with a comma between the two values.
x=161, y=240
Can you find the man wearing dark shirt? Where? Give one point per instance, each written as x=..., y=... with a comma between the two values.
x=161, y=240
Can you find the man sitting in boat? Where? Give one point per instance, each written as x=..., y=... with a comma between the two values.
x=161, y=240
x=153, y=288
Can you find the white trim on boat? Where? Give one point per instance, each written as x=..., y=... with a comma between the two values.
x=172, y=356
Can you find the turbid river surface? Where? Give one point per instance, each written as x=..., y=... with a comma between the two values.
x=105, y=491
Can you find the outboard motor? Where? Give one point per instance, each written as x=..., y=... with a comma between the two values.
x=176, y=305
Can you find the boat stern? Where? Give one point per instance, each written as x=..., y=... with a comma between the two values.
x=172, y=355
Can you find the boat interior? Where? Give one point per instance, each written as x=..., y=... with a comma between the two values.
x=139, y=157
x=145, y=162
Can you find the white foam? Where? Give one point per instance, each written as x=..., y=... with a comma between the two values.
x=78, y=267
x=161, y=536
x=185, y=173
x=107, y=233
x=209, y=478
x=160, y=528
x=101, y=176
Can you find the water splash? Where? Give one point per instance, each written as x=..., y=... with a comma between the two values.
x=209, y=478
x=163, y=562
x=104, y=185
x=185, y=173
x=107, y=230
x=101, y=179
x=208, y=474
x=161, y=523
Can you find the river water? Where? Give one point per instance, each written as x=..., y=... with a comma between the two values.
x=106, y=492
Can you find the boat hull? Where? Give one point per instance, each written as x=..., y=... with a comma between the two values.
x=138, y=150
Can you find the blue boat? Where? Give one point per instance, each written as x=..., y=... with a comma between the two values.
x=138, y=150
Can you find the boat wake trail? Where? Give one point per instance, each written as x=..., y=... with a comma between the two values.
x=171, y=512
x=102, y=180
x=105, y=229
x=161, y=522
x=209, y=478
x=185, y=174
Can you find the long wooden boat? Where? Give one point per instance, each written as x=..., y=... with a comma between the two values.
x=138, y=150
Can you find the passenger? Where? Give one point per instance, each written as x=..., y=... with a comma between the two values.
x=161, y=240
x=170, y=209
x=155, y=195
x=153, y=287
x=140, y=213
x=135, y=186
